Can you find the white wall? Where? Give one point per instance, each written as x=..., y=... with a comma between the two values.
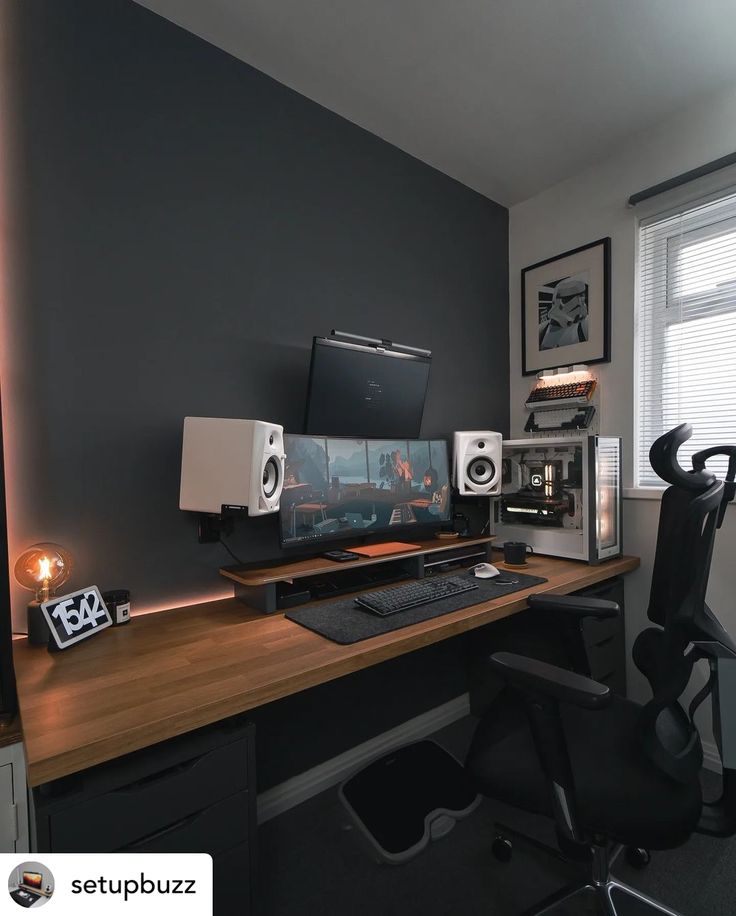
x=582, y=209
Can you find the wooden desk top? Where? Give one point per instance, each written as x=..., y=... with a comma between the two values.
x=168, y=673
x=10, y=733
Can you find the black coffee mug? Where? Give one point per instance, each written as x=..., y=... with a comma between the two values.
x=514, y=553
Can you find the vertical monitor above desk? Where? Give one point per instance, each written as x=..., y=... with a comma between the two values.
x=339, y=488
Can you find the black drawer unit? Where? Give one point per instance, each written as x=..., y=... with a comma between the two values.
x=116, y=818
x=214, y=830
x=193, y=793
x=537, y=634
x=605, y=640
x=233, y=885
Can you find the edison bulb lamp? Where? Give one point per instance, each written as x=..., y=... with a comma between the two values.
x=42, y=569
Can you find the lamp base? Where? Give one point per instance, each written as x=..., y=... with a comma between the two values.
x=38, y=630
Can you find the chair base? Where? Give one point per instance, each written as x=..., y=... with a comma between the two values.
x=605, y=893
x=604, y=899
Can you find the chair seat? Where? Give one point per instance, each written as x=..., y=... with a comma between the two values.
x=620, y=793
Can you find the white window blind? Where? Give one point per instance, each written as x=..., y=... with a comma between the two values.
x=686, y=330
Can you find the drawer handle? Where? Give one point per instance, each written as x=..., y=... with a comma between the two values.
x=184, y=822
x=163, y=775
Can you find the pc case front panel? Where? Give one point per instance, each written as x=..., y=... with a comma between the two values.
x=607, y=495
x=552, y=485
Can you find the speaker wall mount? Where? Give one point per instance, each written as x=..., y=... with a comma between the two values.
x=230, y=466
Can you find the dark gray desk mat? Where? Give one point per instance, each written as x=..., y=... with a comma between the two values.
x=344, y=622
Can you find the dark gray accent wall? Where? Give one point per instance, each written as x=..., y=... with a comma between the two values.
x=189, y=224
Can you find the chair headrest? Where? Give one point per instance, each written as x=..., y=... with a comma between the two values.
x=663, y=458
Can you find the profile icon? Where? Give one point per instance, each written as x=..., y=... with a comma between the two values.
x=31, y=885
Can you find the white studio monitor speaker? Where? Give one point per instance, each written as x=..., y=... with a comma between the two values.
x=477, y=463
x=231, y=464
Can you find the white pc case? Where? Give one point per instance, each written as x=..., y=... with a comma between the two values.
x=562, y=496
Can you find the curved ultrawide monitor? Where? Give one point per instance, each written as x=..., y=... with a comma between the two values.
x=365, y=390
x=342, y=488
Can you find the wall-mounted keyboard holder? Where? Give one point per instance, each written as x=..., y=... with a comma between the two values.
x=560, y=420
x=570, y=395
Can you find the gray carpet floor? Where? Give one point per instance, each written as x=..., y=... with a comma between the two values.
x=311, y=862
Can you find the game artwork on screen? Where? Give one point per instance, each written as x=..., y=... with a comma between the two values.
x=333, y=487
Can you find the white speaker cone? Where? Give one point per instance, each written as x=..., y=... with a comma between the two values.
x=271, y=475
x=481, y=470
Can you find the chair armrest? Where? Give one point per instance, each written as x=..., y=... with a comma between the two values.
x=530, y=675
x=576, y=607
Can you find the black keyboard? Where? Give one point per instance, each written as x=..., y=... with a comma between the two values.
x=392, y=600
x=559, y=418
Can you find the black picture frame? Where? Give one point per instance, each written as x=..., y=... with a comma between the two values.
x=587, y=272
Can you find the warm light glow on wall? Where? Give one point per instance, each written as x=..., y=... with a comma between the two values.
x=565, y=378
x=184, y=601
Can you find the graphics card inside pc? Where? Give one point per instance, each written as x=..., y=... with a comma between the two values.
x=562, y=496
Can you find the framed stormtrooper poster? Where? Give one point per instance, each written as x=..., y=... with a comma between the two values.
x=566, y=309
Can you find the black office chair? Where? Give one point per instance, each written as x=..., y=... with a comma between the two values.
x=613, y=773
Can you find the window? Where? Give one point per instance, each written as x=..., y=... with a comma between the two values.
x=686, y=330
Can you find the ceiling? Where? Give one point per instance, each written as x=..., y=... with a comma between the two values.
x=507, y=96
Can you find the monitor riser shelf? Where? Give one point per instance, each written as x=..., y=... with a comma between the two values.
x=279, y=587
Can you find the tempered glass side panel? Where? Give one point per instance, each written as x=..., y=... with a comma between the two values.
x=608, y=495
x=544, y=485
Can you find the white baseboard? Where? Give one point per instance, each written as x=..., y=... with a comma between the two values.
x=298, y=789
x=711, y=757
x=294, y=791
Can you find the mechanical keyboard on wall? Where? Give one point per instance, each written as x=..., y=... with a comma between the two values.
x=561, y=395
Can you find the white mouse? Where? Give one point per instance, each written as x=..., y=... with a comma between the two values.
x=484, y=571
